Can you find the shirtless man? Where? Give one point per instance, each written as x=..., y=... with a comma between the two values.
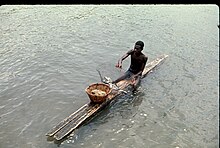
x=138, y=62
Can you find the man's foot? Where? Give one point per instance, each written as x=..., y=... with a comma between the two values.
x=134, y=88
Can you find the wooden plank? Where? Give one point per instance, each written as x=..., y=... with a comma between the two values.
x=75, y=123
x=90, y=109
x=66, y=120
x=150, y=66
x=84, y=116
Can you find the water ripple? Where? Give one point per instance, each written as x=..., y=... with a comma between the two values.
x=7, y=113
x=17, y=105
x=25, y=127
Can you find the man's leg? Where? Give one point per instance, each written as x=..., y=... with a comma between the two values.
x=136, y=82
x=125, y=76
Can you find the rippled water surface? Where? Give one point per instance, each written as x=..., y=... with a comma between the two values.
x=49, y=55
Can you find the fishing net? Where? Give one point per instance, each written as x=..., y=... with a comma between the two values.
x=108, y=69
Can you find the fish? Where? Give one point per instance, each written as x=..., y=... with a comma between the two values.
x=98, y=92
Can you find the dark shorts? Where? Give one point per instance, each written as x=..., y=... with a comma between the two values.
x=129, y=73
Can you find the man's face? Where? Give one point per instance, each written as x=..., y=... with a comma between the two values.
x=137, y=48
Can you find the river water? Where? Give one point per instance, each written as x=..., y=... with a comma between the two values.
x=49, y=55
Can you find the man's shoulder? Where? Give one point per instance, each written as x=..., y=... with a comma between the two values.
x=130, y=51
x=145, y=57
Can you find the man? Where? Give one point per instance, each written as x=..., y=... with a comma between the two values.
x=138, y=62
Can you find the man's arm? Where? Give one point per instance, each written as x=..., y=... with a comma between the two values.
x=143, y=64
x=119, y=64
x=142, y=67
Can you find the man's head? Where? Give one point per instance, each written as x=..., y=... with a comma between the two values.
x=139, y=45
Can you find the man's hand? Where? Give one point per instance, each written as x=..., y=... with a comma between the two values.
x=133, y=81
x=118, y=65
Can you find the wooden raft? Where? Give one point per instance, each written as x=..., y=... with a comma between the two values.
x=88, y=110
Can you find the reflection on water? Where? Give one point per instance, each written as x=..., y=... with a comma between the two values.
x=49, y=55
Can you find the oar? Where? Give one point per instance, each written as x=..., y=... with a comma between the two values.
x=100, y=75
